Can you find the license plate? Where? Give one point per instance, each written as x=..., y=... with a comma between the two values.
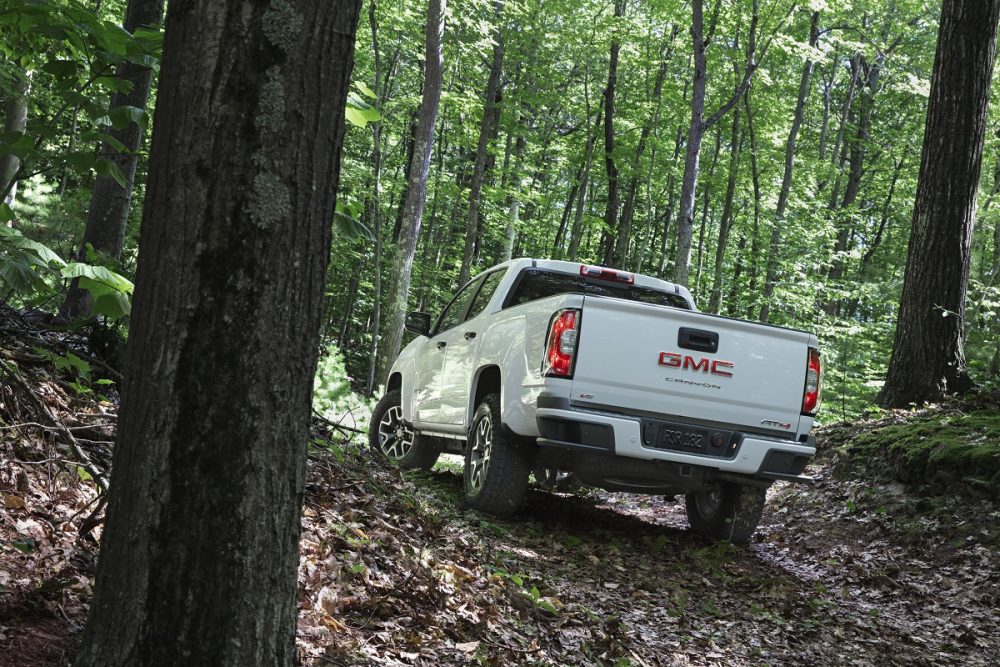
x=683, y=439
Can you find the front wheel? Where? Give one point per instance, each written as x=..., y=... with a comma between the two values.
x=726, y=512
x=496, y=470
x=393, y=439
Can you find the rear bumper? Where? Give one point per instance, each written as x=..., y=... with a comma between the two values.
x=586, y=432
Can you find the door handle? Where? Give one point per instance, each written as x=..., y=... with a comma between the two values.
x=469, y=335
x=441, y=345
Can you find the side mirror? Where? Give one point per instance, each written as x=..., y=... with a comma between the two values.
x=418, y=323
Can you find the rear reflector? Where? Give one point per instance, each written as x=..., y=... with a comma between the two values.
x=561, y=345
x=812, y=394
x=602, y=273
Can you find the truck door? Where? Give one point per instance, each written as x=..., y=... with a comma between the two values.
x=462, y=346
x=431, y=364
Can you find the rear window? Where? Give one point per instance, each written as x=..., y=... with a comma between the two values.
x=538, y=284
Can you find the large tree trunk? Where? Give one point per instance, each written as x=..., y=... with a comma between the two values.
x=611, y=167
x=15, y=121
x=416, y=189
x=110, y=202
x=928, y=356
x=200, y=550
x=482, y=151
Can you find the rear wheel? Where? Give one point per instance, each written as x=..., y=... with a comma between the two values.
x=726, y=511
x=496, y=469
x=393, y=439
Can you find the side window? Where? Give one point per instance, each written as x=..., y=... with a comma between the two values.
x=452, y=314
x=490, y=284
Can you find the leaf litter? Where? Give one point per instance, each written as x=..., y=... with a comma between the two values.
x=394, y=570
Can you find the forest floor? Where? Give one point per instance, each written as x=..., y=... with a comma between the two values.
x=853, y=570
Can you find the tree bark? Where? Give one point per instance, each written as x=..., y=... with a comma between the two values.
x=628, y=210
x=199, y=555
x=482, y=150
x=15, y=121
x=857, y=149
x=706, y=194
x=110, y=202
x=725, y=223
x=581, y=193
x=417, y=187
x=699, y=125
x=774, y=252
x=610, y=165
x=928, y=356
x=373, y=205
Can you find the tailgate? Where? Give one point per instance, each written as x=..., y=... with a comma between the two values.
x=639, y=357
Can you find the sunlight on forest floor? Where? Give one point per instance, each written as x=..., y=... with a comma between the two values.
x=394, y=570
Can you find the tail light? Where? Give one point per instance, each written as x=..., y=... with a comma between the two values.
x=812, y=394
x=561, y=347
x=601, y=273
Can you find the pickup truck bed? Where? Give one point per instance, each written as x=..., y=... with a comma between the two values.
x=611, y=377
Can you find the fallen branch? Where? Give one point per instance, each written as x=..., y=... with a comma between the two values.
x=42, y=410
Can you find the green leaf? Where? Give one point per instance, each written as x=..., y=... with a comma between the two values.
x=61, y=68
x=25, y=545
x=109, y=168
x=355, y=117
x=365, y=90
x=123, y=115
x=351, y=228
x=98, y=274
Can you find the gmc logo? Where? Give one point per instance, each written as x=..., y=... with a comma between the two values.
x=689, y=363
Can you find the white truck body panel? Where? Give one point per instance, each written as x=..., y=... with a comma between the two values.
x=618, y=378
x=619, y=365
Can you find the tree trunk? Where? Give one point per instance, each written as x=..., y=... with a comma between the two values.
x=373, y=206
x=628, y=210
x=199, y=555
x=416, y=188
x=774, y=253
x=611, y=167
x=857, y=149
x=581, y=193
x=837, y=156
x=110, y=202
x=699, y=125
x=715, y=302
x=15, y=121
x=928, y=356
x=706, y=193
x=482, y=150
x=671, y=201
x=755, y=230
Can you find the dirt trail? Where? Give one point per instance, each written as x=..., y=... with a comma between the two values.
x=395, y=571
x=823, y=586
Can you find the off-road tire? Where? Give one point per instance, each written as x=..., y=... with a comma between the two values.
x=422, y=454
x=500, y=487
x=731, y=515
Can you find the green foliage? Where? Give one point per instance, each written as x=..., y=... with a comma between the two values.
x=31, y=272
x=935, y=450
x=334, y=397
x=68, y=55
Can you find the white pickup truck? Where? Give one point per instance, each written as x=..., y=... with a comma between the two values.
x=614, y=378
